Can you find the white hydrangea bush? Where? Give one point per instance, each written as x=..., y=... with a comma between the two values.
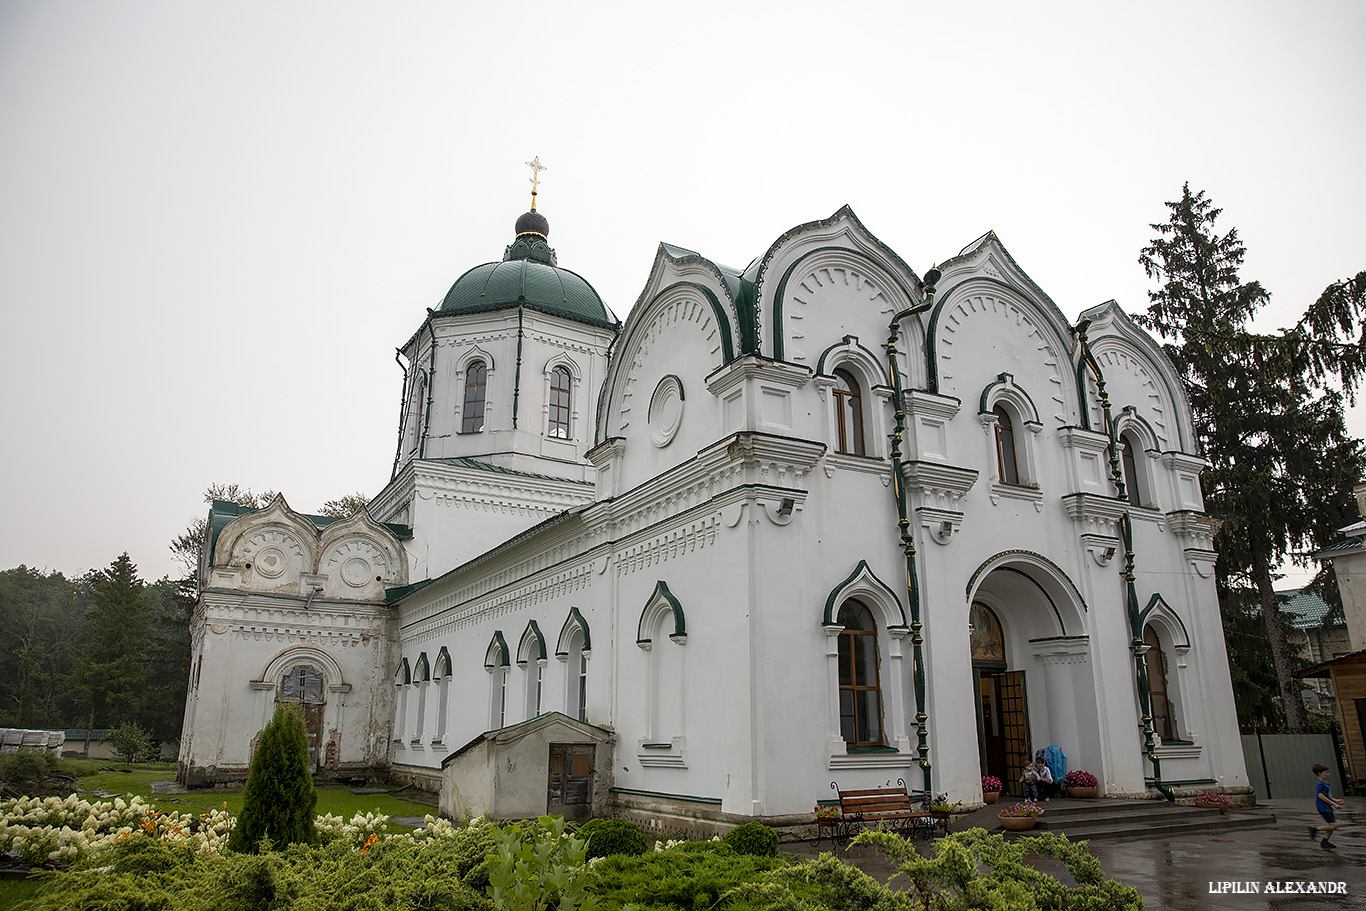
x=56, y=831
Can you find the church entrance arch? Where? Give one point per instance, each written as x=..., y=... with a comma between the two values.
x=1030, y=666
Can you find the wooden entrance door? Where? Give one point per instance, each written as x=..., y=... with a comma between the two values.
x=569, y=790
x=1003, y=726
x=303, y=684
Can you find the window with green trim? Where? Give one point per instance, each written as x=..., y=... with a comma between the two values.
x=860, y=694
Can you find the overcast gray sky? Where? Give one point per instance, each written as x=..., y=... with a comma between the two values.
x=218, y=220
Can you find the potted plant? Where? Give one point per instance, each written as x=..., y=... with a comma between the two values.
x=991, y=788
x=1080, y=784
x=828, y=815
x=937, y=805
x=1021, y=816
x=1211, y=801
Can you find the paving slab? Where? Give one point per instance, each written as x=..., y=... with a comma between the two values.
x=1211, y=869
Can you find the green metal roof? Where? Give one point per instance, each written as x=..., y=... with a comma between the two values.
x=1305, y=609
x=525, y=282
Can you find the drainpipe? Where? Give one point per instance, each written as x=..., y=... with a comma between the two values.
x=1136, y=644
x=402, y=406
x=517, y=373
x=431, y=386
x=903, y=529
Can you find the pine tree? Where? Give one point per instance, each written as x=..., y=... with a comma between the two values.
x=1282, y=465
x=279, y=800
x=110, y=671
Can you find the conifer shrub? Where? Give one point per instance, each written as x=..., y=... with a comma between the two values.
x=279, y=799
x=691, y=875
x=753, y=838
x=613, y=836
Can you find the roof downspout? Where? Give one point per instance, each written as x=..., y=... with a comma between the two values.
x=431, y=384
x=517, y=373
x=903, y=527
x=1136, y=643
x=402, y=406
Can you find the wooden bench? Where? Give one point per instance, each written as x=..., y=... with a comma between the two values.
x=892, y=808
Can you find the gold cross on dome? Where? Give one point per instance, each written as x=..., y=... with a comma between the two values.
x=536, y=169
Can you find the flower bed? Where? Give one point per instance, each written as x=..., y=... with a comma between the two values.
x=57, y=831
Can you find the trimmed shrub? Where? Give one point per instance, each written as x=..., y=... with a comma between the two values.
x=612, y=836
x=690, y=875
x=753, y=838
x=26, y=764
x=279, y=799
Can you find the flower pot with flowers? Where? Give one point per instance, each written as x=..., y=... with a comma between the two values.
x=1021, y=816
x=1080, y=784
x=1211, y=801
x=991, y=788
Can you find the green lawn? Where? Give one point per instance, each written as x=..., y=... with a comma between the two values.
x=331, y=799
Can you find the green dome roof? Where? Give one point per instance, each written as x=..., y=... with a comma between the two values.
x=527, y=276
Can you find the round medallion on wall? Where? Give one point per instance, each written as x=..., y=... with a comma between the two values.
x=356, y=571
x=666, y=411
x=271, y=562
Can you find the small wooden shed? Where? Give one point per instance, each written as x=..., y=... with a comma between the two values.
x=1348, y=676
x=548, y=764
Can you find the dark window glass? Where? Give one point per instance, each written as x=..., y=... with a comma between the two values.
x=302, y=683
x=1005, y=447
x=848, y=413
x=559, y=403
x=1130, y=471
x=860, y=696
x=476, y=381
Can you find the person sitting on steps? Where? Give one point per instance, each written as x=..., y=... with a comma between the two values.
x=1038, y=780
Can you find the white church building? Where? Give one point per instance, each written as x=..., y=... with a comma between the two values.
x=819, y=520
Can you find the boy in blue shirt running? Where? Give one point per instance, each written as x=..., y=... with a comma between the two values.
x=1325, y=804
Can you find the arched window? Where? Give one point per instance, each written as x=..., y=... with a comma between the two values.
x=1005, y=447
x=476, y=383
x=1164, y=719
x=848, y=413
x=560, y=382
x=860, y=694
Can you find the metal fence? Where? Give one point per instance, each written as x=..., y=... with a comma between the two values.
x=1281, y=765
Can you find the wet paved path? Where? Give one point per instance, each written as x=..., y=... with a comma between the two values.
x=1175, y=874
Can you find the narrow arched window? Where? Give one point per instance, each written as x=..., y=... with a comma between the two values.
x=1126, y=456
x=1164, y=719
x=1005, y=447
x=848, y=413
x=860, y=694
x=559, y=402
x=476, y=382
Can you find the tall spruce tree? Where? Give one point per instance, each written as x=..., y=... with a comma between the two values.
x=279, y=800
x=1266, y=412
x=110, y=671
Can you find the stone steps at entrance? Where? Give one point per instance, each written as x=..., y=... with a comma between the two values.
x=1092, y=820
